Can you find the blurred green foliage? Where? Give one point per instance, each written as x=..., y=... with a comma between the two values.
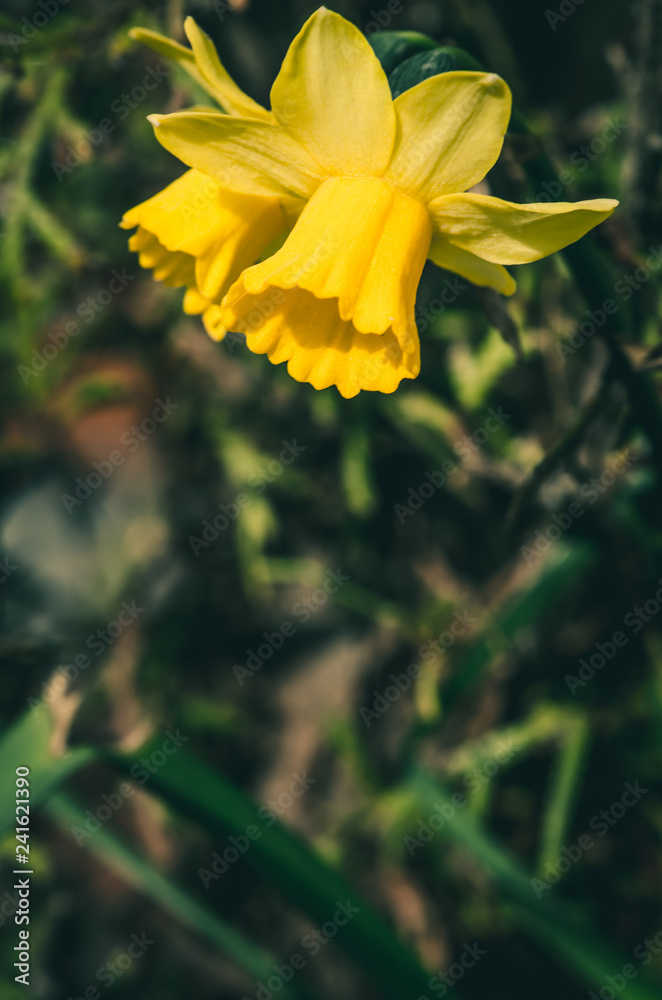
x=483, y=592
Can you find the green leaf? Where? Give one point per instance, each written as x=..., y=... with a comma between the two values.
x=356, y=471
x=425, y=64
x=198, y=792
x=393, y=47
x=288, y=862
x=554, y=922
x=419, y=68
x=29, y=743
x=145, y=879
x=524, y=611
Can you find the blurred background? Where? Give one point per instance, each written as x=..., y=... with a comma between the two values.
x=404, y=649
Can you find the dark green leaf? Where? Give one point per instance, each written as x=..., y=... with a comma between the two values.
x=306, y=881
x=425, y=64
x=393, y=47
x=145, y=879
x=29, y=743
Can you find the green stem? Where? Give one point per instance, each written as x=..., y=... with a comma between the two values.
x=595, y=283
x=562, y=450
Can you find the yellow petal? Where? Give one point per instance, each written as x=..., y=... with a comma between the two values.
x=468, y=265
x=194, y=211
x=194, y=303
x=213, y=323
x=179, y=214
x=242, y=154
x=217, y=232
x=507, y=233
x=362, y=242
x=332, y=95
x=319, y=346
x=206, y=70
x=174, y=51
x=174, y=269
x=450, y=132
x=219, y=81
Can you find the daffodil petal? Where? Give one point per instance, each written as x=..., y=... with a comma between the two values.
x=332, y=95
x=450, y=132
x=194, y=302
x=177, y=53
x=173, y=269
x=507, y=233
x=221, y=232
x=213, y=323
x=203, y=65
x=218, y=80
x=468, y=265
x=321, y=348
x=242, y=154
x=179, y=214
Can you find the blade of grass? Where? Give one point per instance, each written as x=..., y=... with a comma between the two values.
x=523, y=612
x=554, y=922
x=564, y=787
x=306, y=881
x=29, y=744
x=151, y=883
x=196, y=790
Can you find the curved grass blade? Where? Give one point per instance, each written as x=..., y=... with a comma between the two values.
x=151, y=883
x=555, y=923
x=288, y=862
x=29, y=743
x=522, y=612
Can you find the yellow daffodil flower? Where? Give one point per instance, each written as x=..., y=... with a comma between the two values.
x=383, y=185
x=196, y=233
